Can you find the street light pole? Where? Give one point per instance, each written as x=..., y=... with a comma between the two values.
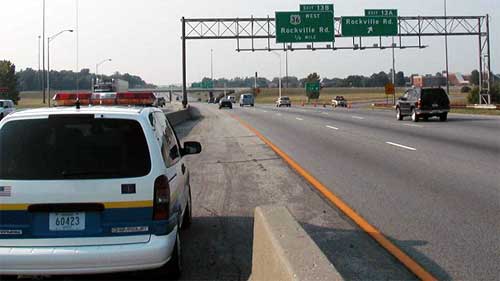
x=49, y=39
x=99, y=64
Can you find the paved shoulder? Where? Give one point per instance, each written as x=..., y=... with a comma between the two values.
x=237, y=172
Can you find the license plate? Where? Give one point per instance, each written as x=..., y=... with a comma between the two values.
x=435, y=105
x=67, y=221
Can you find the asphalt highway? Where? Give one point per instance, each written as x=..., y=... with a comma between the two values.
x=433, y=188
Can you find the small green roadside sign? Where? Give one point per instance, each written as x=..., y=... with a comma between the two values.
x=304, y=27
x=312, y=87
x=316, y=8
x=381, y=12
x=369, y=26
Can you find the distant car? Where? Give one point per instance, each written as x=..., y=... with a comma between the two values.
x=225, y=103
x=217, y=99
x=247, y=99
x=283, y=101
x=232, y=99
x=6, y=108
x=177, y=98
x=423, y=103
x=339, y=101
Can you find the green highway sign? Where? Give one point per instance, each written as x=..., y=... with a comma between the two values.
x=304, y=27
x=312, y=87
x=381, y=13
x=369, y=26
x=316, y=8
x=203, y=85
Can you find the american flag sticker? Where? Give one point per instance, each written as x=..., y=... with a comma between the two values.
x=5, y=191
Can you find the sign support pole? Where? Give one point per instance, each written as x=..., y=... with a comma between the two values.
x=184, y=86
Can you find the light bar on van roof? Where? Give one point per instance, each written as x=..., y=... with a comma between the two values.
x=87, y=98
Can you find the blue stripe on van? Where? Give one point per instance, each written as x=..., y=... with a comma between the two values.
x=97, y=224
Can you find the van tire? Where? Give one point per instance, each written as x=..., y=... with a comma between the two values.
x=188, y=213
x=173, y=267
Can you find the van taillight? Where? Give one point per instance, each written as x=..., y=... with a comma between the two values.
x=161, y=202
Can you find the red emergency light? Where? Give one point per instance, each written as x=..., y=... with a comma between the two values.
x=69, y=99
x=124, y=99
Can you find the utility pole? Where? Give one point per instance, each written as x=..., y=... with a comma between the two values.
x=43, y=50
x=39, y=76
x=77, y=50
x=446, y=48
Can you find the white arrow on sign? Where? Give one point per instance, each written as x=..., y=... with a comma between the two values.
x=370, y=29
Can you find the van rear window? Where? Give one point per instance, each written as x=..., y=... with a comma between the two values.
x=73, y=147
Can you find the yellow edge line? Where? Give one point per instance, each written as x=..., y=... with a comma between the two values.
x=412, y=265
x=107, y=205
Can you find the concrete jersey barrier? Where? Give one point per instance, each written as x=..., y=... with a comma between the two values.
x=282, y=250
x=178, y=117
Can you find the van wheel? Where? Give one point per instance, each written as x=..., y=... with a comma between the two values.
x=414, y=116
x=443, y=117
x=188, y=214
x=399, y=116
x=174, y=265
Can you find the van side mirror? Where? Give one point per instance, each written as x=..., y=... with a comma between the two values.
x=191, y=147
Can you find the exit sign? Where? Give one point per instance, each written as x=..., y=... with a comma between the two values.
x=369, y=26
x=381, y=13
x=316, y=8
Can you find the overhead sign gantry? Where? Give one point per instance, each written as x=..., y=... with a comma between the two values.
x=267, y=33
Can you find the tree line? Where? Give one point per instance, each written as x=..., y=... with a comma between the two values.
x=31, y=80
x=375, y=80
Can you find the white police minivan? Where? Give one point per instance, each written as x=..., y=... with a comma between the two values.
x=94, y=189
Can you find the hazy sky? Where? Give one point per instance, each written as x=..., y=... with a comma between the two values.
x=143, y=37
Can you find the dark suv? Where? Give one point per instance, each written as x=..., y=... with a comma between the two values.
x=423, y=103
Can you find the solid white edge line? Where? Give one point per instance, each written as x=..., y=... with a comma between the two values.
x=401, y=146
x=331, y=127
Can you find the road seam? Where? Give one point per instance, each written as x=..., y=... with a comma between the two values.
x=401, y=146
x=411, y=264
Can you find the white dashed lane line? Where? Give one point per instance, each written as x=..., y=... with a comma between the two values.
x=300, y=119
x=413, y=125
x=331, y=127
x=401, y=146
x=358, y=117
